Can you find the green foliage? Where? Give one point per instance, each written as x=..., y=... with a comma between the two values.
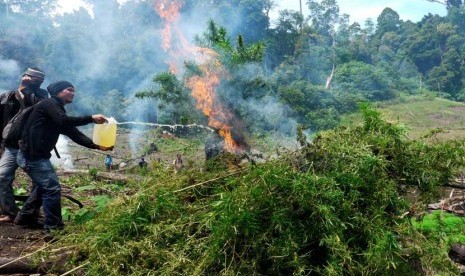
x=86, y=187
x=214, y=37
x=174, y=103
x=336, y=207
x=325, y=118
x=283, y=38
x=243, y=54
x=440, y=225
x=371, y=83
x=396, y=56
x=388, y=21
x=93, y=172
x=388, y=153
x=170, y=90
x=87, y=213
x=312, y=105
x=217, y=37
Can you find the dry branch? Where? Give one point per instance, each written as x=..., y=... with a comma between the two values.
x=455, y=205
x=205, y=182
x=113, y=177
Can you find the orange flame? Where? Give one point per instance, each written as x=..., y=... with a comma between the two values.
x=203, y=87
x=169, y=13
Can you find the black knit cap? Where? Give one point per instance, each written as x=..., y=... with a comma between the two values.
x=56, y=87
x=35, y=72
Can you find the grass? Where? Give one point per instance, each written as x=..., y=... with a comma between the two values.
x=442, y=225
x=421, y=115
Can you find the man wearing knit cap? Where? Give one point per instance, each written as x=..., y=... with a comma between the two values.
x=27, y=94
x=45, y=123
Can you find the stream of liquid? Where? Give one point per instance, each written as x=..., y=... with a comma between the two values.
x=165, y=125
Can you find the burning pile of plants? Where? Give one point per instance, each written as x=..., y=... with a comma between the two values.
x=338, y=206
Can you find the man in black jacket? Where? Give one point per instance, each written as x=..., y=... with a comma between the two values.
x=27, y=94
x=46, y=122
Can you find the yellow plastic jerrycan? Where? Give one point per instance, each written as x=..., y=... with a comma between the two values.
x=105, y=134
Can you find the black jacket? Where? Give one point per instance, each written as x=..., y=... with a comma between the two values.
x=9, y=105
x=46, y=122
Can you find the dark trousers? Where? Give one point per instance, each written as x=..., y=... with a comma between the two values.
x=48, y=192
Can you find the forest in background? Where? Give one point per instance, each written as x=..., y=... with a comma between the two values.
x=296, y=70
x=340, y=205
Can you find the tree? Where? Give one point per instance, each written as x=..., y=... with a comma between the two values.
x=255, y=19
x=324, y=16
x=448, y=75
x=388, y=21
x=449, y=3
x=282, y=39
x=456, y=16
x=248, y=18
x=217, y=38
x=368, y=81
x=423, y=47
x=357, y=45
x=173, y=99
x=24, y=32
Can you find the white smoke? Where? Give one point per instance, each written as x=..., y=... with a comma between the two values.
x=9, y=70
x=9, y=67
x=66, y=160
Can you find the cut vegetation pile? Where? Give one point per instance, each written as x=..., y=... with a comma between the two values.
x=337, y=207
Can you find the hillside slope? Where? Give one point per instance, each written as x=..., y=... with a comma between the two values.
x=421, y=115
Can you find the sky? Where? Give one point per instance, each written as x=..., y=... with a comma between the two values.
x=360, y=10
x=69, y=5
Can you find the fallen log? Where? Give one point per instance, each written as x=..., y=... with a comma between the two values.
x=457, y=183
x=454, y=205
x=457, y=254
x=29, y=265
x=109, y=176
x=15, y=266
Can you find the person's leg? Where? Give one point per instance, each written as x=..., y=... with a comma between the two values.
x=44, y=177
x=51, y=203
x=29, y=214
x=8, y=168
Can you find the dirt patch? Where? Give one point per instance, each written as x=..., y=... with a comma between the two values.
x=442, y=120
x=16, y=241
x=458, y=108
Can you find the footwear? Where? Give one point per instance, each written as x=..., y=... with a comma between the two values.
x=27, y=224
x=32, y=225
x=5, y=218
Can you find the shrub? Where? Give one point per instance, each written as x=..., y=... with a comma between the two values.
x=336, y=207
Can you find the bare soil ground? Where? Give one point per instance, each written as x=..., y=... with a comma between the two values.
x=16, y=241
